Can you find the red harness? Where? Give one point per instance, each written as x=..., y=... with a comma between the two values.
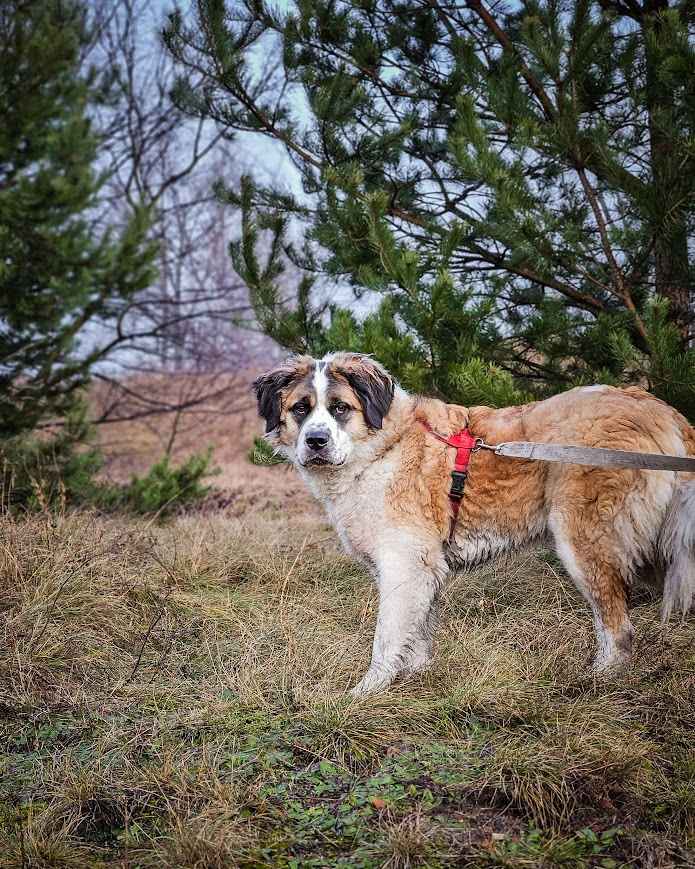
x=465, y=445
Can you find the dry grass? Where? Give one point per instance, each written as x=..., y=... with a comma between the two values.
x=175, y=696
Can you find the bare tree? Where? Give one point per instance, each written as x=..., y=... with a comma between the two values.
x=179, y=333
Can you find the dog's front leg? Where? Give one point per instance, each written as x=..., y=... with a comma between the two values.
x=408, y=579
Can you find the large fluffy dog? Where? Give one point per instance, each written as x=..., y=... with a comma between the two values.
x=360, y=443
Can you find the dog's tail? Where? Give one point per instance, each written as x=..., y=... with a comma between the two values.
x=677, y=548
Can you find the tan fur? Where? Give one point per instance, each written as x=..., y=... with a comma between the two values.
x=514, y=498
x=391, y=497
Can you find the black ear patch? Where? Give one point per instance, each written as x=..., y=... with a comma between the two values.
x=374, y=388
x=268, y=388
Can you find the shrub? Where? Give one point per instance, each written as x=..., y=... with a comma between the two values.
x=261, y=453
x=59, y=470
x=46, y=471
x=163, y=489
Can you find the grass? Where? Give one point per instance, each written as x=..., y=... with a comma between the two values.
x=176, y=696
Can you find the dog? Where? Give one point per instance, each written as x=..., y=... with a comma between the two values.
x=361, y=443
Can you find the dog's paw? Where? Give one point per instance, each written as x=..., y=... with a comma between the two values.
x=419, y=664
x=606, y=666
x=372, y=682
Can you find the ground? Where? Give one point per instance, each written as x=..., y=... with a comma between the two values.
x=175, y=695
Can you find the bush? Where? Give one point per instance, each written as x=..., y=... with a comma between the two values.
x=164, y=488
x=57, y=471
x=261, y=453
x=47, y=471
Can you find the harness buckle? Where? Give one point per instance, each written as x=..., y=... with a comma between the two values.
x=458, y=484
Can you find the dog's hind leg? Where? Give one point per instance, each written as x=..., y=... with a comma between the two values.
x=677, y=549
x=603, y=584
x=409, y=578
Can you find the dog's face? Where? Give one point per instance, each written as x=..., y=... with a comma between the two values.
x=318, y=410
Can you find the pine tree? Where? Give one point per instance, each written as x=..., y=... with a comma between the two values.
x=56, y=273
x=516, y=180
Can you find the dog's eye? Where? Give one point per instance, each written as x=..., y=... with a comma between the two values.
x=299, y=409
x=340, y=408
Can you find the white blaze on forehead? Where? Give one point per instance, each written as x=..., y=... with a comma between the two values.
x=320, y=382
x=320, y=416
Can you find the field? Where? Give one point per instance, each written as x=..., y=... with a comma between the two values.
x=175, y=695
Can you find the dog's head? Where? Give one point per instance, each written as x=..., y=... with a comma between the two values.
x=317, y=410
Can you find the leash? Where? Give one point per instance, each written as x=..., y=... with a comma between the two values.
x=466, y=444
x=596, y=456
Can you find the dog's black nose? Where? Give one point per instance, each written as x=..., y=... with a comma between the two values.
x=317, y=440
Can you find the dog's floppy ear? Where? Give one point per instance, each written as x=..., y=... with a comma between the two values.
x=373, y=385
x=268, y=388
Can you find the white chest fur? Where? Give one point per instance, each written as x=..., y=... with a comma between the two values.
x=355, y=505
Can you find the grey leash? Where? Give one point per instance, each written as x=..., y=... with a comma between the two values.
x=596, y=456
